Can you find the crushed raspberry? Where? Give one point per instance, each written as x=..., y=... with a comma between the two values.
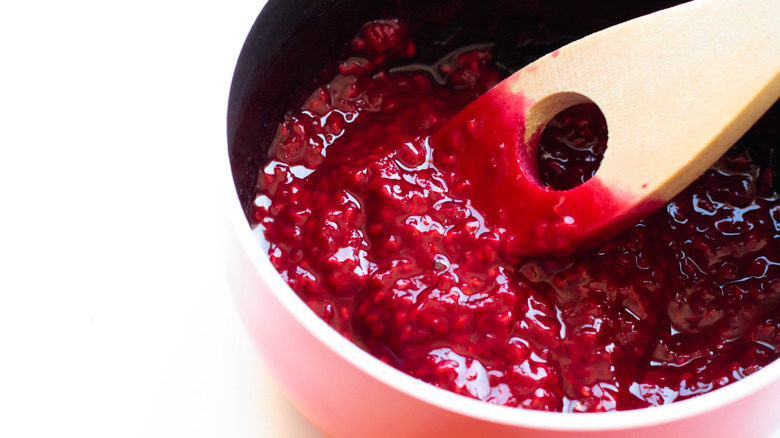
x=373, y=230
x=574, y=144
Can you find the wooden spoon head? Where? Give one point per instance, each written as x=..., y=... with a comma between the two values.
x=677, y=89
x=490, y=145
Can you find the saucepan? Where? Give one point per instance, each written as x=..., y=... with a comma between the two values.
x=344, y=391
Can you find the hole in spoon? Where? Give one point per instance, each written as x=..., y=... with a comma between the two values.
x=572, y=146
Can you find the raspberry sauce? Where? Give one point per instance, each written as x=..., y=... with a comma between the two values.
x=372, y=226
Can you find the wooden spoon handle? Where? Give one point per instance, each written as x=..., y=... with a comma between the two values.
x=677, y=88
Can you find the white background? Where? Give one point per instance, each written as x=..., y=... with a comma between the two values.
x=115, y=318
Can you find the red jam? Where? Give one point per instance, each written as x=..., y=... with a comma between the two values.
x=372, y=232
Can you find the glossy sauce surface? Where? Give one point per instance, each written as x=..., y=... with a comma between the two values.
x=372, y=228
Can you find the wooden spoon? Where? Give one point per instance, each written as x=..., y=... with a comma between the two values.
x=677, y=88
